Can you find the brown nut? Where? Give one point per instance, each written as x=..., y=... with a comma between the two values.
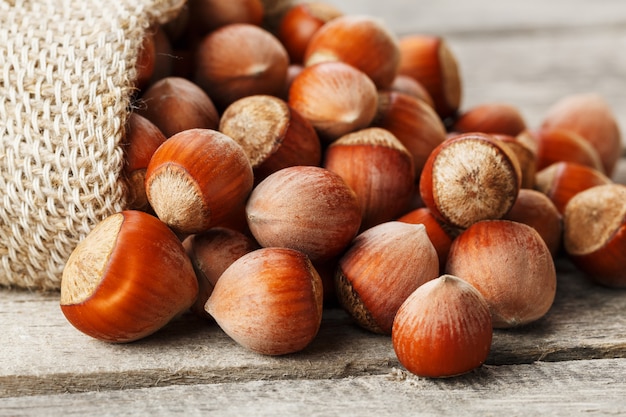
x=589, y=115
x=595, y=233
x=378, y=168
x=299, y=24
x=363, y=42
x=269, y=301
x=211, y=252
x=142, y=138
x=196, y=178
x=380, y=269
x=443, y=329
x=239, y=60
x=209, y=15
x=175, y=104
x=127, y=279
x=310, y=209
x=468, y=178
x=439, y=237
x=563, y=180
x=273, y=135
x=335, y=97
x=430, y=61
x=561, y=145
x=413, y=122
x=501, y=118
x=511, y=266
x=535, y=209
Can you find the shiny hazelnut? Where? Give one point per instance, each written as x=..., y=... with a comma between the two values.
x=535, y=209
x=335, y=97
x=595, y=233
x=443, y=329
x=378, y=168
x=439, y=237
x=272, y=134
x=142, y=138
x=563, y=180
x=501, y=118
x=561, y=145
x=209, y=15
x=363, y=42
x=468, y=178
x=430, y=61
x=196, y=178
x=380, y=269
x=211, y=252
x=589, y=115
x=299, y=24
x=127, y=279
x=413, y=122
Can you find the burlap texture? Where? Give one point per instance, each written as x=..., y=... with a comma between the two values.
x=66, y=80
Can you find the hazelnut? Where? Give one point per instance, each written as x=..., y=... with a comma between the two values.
x=439, y=237
x=413, y=122
x=511, y=266
x=535, y=209
x=299, y=24
x=408, y=85
x=563, y=180
x=175, y=104
x=310, y=209
x=127, y=279
x=209, y=15
x=240, y=60
x=211, y=252
x=378, y=168
x=196, y=178
x=595, y=233
x=272, y=134
x=501, y=118
x=468, y=178
x=525, y=154
x=443, y=329
x=380, y=269
x=561, y=145
x=363, y=42
x=269, y=301
x=430, y=61
x=335, y=97
x=142, y=138
x=590, y=116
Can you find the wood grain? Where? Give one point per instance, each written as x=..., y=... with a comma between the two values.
x=43, y=354
x=543, y=389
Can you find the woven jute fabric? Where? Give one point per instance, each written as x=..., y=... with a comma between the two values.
x=66, y=81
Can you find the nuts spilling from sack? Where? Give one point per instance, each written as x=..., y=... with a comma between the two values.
x=324, y=162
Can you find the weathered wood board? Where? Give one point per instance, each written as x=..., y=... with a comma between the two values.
x=43, y=354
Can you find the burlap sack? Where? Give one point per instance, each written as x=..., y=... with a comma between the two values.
x=66, y=82
x=66, y=79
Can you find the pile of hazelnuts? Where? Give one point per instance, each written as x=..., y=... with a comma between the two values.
x=323, y=161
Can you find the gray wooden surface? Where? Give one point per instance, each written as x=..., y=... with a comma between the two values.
x=572, y=362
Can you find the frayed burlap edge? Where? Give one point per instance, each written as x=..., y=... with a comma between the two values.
x=67, y=74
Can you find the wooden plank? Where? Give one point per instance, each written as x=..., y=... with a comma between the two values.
x=43, y=354
x=548, y=389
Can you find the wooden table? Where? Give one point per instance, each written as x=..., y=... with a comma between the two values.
x=571, y=362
